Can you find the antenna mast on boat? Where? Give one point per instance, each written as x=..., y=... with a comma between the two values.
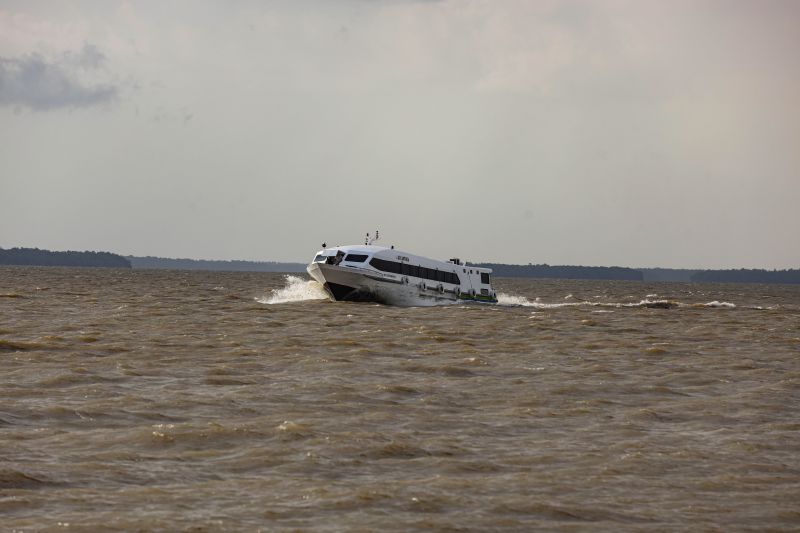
x=369, y=241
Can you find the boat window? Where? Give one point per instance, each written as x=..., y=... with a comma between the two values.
x=356, y=258
x=385, y=266
x=319, y=259
x=415, y=270
x=484, y=278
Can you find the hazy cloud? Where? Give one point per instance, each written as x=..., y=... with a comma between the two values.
x=73, y=79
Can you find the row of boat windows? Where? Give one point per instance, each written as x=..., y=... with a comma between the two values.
x=416, y=271
x=408, y=270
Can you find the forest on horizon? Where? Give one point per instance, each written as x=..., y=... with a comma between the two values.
x=38, y=257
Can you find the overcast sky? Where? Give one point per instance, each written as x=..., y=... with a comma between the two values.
x=633, y=133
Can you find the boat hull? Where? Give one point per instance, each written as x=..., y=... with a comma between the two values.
x=344, y=283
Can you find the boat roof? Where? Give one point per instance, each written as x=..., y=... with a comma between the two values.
x=371, y=249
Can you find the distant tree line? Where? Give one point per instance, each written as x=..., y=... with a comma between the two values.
x=744, y=275
x=203, y=264
x=563, y=272
x=667, y=274
x=37, y=257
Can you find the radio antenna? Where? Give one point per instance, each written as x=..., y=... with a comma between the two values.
x=369, y=241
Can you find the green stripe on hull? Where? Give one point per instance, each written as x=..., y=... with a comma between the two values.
x=477, y=298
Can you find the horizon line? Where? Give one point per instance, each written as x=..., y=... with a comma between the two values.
x=638, y=268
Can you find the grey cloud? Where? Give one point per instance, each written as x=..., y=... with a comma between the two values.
x=68, y=81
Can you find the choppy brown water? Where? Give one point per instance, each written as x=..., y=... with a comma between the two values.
x=158, y=400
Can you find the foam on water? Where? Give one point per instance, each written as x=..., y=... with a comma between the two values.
x=520, y=301
x=296, y=289
x=510, y=299
x=716, y=304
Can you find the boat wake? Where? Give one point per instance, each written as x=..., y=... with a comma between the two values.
x=520, y=301
x=297, y=289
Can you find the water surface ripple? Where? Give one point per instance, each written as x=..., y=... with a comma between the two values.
x=210, y=401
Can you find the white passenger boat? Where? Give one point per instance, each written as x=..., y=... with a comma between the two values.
x=379, y=274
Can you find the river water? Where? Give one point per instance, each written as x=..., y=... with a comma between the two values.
x=215, y=401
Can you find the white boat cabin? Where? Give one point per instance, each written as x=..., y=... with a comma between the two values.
x=465, y=282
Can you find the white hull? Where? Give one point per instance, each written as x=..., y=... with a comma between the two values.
x=348, y=284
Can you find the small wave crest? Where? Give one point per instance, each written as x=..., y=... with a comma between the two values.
x=297, y=289
x=18, y=346
x=521, y=301
x=718, y=305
